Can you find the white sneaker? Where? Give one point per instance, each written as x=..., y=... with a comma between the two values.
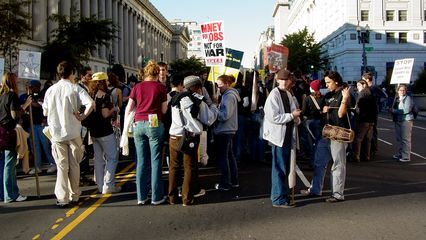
x=113, y=190
x=32, y=171
x=202, y=192
x=52, y=168
x=404, y=160
x=21, y=198
x=159, y=202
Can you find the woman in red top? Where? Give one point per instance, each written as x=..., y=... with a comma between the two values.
x=149, y=101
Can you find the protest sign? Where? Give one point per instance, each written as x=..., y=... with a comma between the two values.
x=232, y=65
x=401, y=73
x=29, y=65
x=213, y=37
x=276, y=57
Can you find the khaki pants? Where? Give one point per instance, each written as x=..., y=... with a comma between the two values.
x=68, y=155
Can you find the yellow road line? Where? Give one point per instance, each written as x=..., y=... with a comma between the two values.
x=67, y=229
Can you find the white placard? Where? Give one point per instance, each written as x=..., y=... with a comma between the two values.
x=29, y=65
x=401, y=73
x=213, y=37
x=1, y=67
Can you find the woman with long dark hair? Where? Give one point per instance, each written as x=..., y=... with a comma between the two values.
x=9, y=115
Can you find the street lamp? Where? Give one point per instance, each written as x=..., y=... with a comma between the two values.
x=363, y=38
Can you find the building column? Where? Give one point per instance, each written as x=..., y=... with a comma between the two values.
x=94, y=11
x=139, y=41
x=65, y=7
x=126, y=35
x=135, y=48
x=52, y=8
x=416, y=13
x=130, y=36
x=85, y=8
x=121, y=34
x=115, y=21
x=108, y=15
x=101, y=16
x=39, y=11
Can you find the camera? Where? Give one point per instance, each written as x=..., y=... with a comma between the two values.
x=35, y=96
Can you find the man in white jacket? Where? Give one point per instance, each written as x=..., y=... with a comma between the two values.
x=281, y=116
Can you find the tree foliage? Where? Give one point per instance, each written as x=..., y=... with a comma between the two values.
x=419, y=85
x=75, y=38
x=304, y=52
x=14, y=27
x=191, y=65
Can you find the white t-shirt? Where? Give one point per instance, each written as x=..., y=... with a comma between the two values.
x=61, y=101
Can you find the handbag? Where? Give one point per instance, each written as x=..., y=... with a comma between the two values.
x=188, y=143
x=7, y=138
x=339, y=134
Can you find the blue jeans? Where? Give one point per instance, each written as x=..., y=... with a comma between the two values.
x=240, y=144
x=226, y=160
x=327, y=150
x=105, y=161
x=279, y=175
x=314, y=126
x=257, y=143
x=42, y=143
x=149, y=143
x=9, y=190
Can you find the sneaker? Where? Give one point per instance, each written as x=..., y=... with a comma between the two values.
x=113, y=190
x=21, y=198
x=52, y=169
x=32, y=171
x=235, y=185
x=143, y=202
x=308, y=193
x=179, y=191
x=404, y=160
x=159, y=202
x=61, y=204
x=202, y=192
x=285, y=205
x=333, y=200
x=217, y=186
x=396, y=156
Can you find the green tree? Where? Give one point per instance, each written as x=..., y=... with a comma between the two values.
x=75, y=38
x=304, y=52
x=192, y=64
x=419, y=85
x=14, y=27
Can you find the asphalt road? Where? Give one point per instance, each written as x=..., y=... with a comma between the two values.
x=385, y=199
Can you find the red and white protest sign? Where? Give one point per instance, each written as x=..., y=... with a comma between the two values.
x=213, y=37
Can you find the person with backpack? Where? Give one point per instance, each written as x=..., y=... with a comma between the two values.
x=101, y=131
x=189, y=113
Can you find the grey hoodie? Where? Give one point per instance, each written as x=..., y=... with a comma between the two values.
x=227, y=118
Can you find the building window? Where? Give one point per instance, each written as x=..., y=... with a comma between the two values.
x=390, y=15
x=378, y=36
x=353, y=36
x=416, y=36
x=364, y=15
x=424, y=37
x=402, y=37
x=390, y=37
x=402, y=15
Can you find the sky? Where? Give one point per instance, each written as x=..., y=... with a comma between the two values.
x=244, y=20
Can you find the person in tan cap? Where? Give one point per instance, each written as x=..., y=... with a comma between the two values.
x=102, y=133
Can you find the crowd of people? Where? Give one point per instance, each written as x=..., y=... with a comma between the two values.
x=185, y=120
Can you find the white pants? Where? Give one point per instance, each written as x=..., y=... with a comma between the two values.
x=68, y=155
